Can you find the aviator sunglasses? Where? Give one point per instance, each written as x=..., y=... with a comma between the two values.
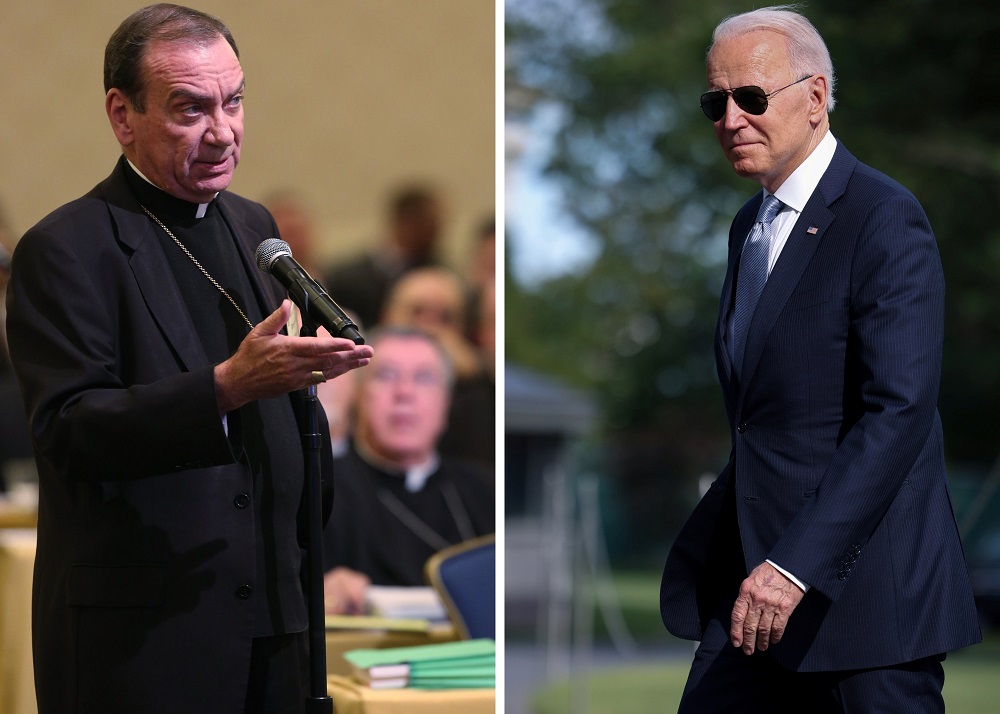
x=752, y=99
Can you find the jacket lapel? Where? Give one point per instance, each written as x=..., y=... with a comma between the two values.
x=810, y=228
x=737, y=236
x=247, y=240
x=787, y=272
x=135, y=231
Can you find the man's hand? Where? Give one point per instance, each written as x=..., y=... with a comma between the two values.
x=344, y=591
x=269, y=364
x=762, y=609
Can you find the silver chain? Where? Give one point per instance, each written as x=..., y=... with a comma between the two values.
x=419, y=527
x=197, y=264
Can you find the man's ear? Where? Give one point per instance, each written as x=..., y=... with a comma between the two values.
x=120, y=112
x=819, y=90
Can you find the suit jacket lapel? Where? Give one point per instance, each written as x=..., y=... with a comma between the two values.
x=785, y=275
x=795, y=256
x=135, y=231
x=723, y=361
x=247, y=240
x=737, y=235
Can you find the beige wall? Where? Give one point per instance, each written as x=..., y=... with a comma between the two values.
x=344, y=99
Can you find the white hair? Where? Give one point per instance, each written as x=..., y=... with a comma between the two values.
x=807, y=52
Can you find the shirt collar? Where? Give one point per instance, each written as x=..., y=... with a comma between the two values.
x=200, y=208
x=414, y=477
x=798, y=187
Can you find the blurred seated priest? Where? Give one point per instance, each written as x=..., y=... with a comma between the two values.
x=396, y=500
x=435, y=299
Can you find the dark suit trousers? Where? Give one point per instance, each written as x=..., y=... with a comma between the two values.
x=723, y=679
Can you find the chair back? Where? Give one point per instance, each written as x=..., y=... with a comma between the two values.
x=464, y=576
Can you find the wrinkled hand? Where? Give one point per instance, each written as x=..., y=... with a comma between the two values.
x=269, y=364
x=344, y=591
x=762, y=609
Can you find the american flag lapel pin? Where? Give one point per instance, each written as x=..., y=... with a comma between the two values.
x=812, y=230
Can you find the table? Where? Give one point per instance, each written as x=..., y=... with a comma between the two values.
x=349, y=697
x=342, y=640
x=17, y=561
x=17, y=516
x=17, y=692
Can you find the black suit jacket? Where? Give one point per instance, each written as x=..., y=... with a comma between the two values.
x=145, y=571
x=837, y=468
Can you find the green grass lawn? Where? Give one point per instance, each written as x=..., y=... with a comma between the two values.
x=970, y=688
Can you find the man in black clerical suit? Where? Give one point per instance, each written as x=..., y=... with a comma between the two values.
x=397, y=500
x=157, y=378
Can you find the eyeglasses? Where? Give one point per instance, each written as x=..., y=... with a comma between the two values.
x=385, y=375
x=752, y=99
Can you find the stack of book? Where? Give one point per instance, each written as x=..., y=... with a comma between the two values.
x=448, y=665
x=405, y=603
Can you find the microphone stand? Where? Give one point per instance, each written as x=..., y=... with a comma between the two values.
x=319, y=700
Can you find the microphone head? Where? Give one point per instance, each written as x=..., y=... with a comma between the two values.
x=270, y=249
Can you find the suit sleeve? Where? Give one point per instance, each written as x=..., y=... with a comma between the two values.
x=88, y=419
x=893, y=365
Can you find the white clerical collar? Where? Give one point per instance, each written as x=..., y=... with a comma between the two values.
x=414, y=477
x=202, y=207
x=802, y=182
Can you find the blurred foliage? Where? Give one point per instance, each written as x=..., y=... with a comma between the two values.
x=918, y=88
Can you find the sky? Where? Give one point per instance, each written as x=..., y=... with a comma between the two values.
x=544, y=242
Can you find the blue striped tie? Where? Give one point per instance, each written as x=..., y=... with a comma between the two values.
x=752, y=275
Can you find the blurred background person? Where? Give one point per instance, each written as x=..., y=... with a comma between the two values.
x=415, y=216
x=337, y=397
x=434, y=299
x=296, y=226
x=481, y=276
x=485, y=327
x=398, y=500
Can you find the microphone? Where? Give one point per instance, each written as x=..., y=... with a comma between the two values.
x=274, y=256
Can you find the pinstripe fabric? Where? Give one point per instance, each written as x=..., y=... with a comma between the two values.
x=837, y=468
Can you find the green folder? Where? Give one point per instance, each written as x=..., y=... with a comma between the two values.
x=452, y=663
x=453, y=683
x=420, y=654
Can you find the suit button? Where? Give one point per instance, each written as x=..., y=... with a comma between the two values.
x=742, y=427
x=241, y=501
x=243, y=592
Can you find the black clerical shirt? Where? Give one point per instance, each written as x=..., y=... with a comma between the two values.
x=380, y=528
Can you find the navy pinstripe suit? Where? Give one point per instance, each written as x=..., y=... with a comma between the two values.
x=837, y=469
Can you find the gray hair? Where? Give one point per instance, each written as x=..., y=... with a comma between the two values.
x=807, y=51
